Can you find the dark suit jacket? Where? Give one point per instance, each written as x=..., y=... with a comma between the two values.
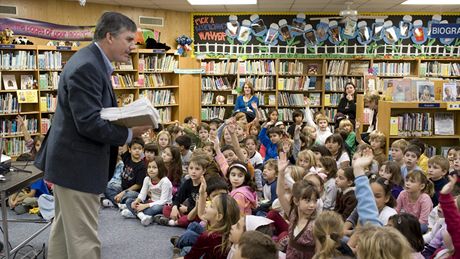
x=77, y=149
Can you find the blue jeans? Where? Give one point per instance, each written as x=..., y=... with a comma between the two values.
x=194, y=230
x=152, y=211
x=113, y=190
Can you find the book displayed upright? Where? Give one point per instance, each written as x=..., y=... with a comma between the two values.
x=444, y=123
x=9, y=82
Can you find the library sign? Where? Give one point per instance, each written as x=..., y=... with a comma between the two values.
x=285, y=34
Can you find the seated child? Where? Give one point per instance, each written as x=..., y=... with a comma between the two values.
x=438, y=167
x=411, y=155
x=254, y=244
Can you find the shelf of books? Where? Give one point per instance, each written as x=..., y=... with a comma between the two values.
x=434, y=122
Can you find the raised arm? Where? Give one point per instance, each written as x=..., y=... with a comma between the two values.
x=201, y=203
x=280, y=191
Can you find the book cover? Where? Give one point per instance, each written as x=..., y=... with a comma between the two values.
x=449, y=92
x=401, y=90
x=394, y=122
x=43, y=104
x=315, y=99
x=312, y=69
x=327, y=100
x=27, y=82
x=43, y=81
x=312, y=83
x=271, y=99
x=444, y=123
x=230, y=99
x=27, y=96
x=370, y=83
x=9, y=82
x=425, y=91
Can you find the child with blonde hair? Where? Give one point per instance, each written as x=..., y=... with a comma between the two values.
x=350, y=140
x=321, y=123
x=377, y=140
x=397, y=151
x=163, y=140
x=306, y=160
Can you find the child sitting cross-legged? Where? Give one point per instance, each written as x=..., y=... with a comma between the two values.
x=155, y=193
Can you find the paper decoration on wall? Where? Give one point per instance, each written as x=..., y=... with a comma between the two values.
x=298, y=24
x=389, y=33
x=350, y=28
x=285, y=32
x=244, y=34
x=405, y=27
x=364, y=33
x=419, y=33
x=321, y=30
x=377, y=29
x=334, y=33
x=436, y=19
x=232, y=26
x=258, y=25
x=446, y=41
x=272, y=34
x=310, y=35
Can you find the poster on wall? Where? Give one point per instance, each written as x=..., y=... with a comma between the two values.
x=302, y=34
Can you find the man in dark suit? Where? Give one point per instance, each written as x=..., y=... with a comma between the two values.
x=79, y=149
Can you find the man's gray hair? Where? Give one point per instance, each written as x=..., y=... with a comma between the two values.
x=113, y=23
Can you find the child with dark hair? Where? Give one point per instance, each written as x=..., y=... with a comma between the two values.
x=297, y=116
x=151, y=150
x=335, y=144
x=132, y=177
x=409, y=226
x=411, y=156
x=172, y=158
x=329, y=168
x=243, y=187
x=391, y=171
x=184, y=143
x=270, y=138
x=438, y=167
x=346, y=200
x=320, y=151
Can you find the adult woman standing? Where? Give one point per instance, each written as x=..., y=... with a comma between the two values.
x=243, y=101
x=347, y=105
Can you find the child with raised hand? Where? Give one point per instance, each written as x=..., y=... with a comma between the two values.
x=306, y=159
x=328, y=232
x=415, y=199
x=155, y=193
x=248, y=223
x=253, y=155
x=301, y=211
x=220, y=215
x=438, y=167
x=321, y=123
x=329, y=168
x=163, y=140
x=451, y=213
x=397, y=151
x=243, y=188
x=185, y=201
x=173, y=162
x=270, y=139
x=346, y=199
x=409, y=226
x=391, y=171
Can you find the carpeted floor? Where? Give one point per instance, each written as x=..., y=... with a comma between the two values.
x=120, y=237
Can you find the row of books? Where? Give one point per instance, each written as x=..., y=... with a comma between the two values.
x=261, y=67
x=422, y=124
x=48, y=103
x=49, y=81
x=123, y=65
x=297, y=83
x=153, y=80
x=338, y=83
x=9, y=82
x=392, y=69
x=124, y=99
x=14, y=146
x=266, y=98
x=122, y=81
x=9, y=103
x=287, y=99
x=330, y=113
x=217, y=83
x=332, y=99
x=10, y=127
x=220, y=67
x=285, y=114
x=165, y=114
x=209, y=113
x=432, y=150
x=298, y=68
x=17, y=60
x=344, y=67
x=259, y=83
x=161, y=97
x=439, y=69
x=50, y=60
x=156, y=63
x=421, y=90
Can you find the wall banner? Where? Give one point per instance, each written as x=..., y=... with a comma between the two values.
x=302, y=34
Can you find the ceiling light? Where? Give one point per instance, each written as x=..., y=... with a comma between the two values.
x=222, y=2
x=431, y=2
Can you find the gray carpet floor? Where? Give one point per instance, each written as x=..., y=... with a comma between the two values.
x=120, y=237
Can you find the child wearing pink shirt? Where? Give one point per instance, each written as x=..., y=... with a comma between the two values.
x=415, y=199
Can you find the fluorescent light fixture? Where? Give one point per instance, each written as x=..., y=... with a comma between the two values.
x=431, y=2
x=222, y=2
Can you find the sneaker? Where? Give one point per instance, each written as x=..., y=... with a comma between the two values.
x=176, y=252
x=127, y=214
x=161, y=220
x=20, y=209
x=174, y=240
x=122, y=206
x=106, y=203
x=146, y=220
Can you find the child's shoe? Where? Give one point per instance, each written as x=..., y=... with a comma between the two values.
x=127, y=214
x=174, y=240
x=161, y=220
x=122, y=206
x=145, y=219
x=106, y=203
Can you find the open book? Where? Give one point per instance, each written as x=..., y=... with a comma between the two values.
x=138, y=113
